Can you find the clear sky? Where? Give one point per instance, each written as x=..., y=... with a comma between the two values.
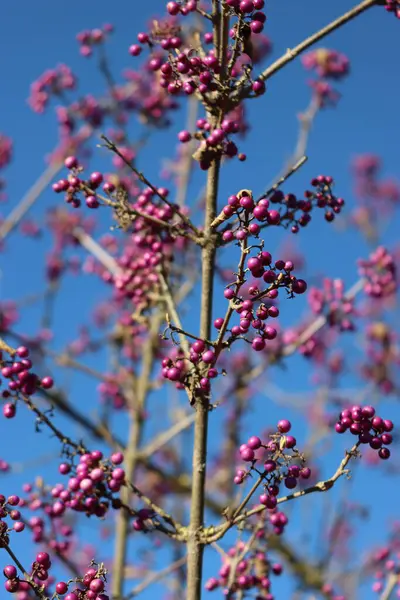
x=37, y=36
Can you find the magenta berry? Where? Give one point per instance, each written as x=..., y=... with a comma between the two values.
x=284, y=426
x=184, y=136
x=173, y=8
x=10, y=572
x=254, y=442
x=71, y=162
x=61, y=587
x=135, y=50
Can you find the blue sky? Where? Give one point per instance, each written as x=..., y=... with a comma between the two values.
x=40, y=35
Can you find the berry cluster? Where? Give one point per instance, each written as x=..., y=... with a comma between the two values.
x=323, y=93
x=214, y=142
x=8, y=510
x=179, y=370
x=88, y=39
x=370, y=429
x=176, y=369
x=251, y=13
x=38, y=576
x=181, y=8
x=241, y=572
x=90, y=484
x=91, y=585
x=277, y=468
x=111, y=393
x=380, y=273
x=382, y=357
x=377, y=196
x=50, y=528
x=329, y=64
x=253, y=311
x=73, y=185
x=52, y=83
x=385, y=562
x=369, y=189
x=62, y=223
x=188, y=71
x=20, y=378
x=332, y=301
x=294, y=213
x=393, y=6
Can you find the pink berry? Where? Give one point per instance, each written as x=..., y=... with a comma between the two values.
x=284, y=426
x=23, y=352
x=92, y=202
x=10, y=572
x=9, y=410
x=71, y=162
x=299, y=286
x=135, y=50
x=254, y=442
x=184, y=136
x=117, y=458
x=247, y=454
x=96, y=178
x=246, y=6
x=61, y=587
x=173, y=8
x=47, y=383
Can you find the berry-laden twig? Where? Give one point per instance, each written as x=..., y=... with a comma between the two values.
x=176, y=209
x=38, y=590
x=219, y=531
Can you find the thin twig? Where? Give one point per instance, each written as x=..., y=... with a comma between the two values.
x=291, y=54
x=154, y=577
x=173, y=311
x=289, y=171
x=29, y=199
x=98, y=252
x=166, y=436
x=391, y=583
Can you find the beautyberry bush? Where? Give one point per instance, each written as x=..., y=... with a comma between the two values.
x=199, y=342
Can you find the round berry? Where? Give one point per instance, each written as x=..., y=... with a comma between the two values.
x=71, y=162
x=284, y=426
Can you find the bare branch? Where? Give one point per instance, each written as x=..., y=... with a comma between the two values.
x=291, y=54
x=154, y=577
x=29, y=199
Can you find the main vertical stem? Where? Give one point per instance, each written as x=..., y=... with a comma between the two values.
x=195, y=548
